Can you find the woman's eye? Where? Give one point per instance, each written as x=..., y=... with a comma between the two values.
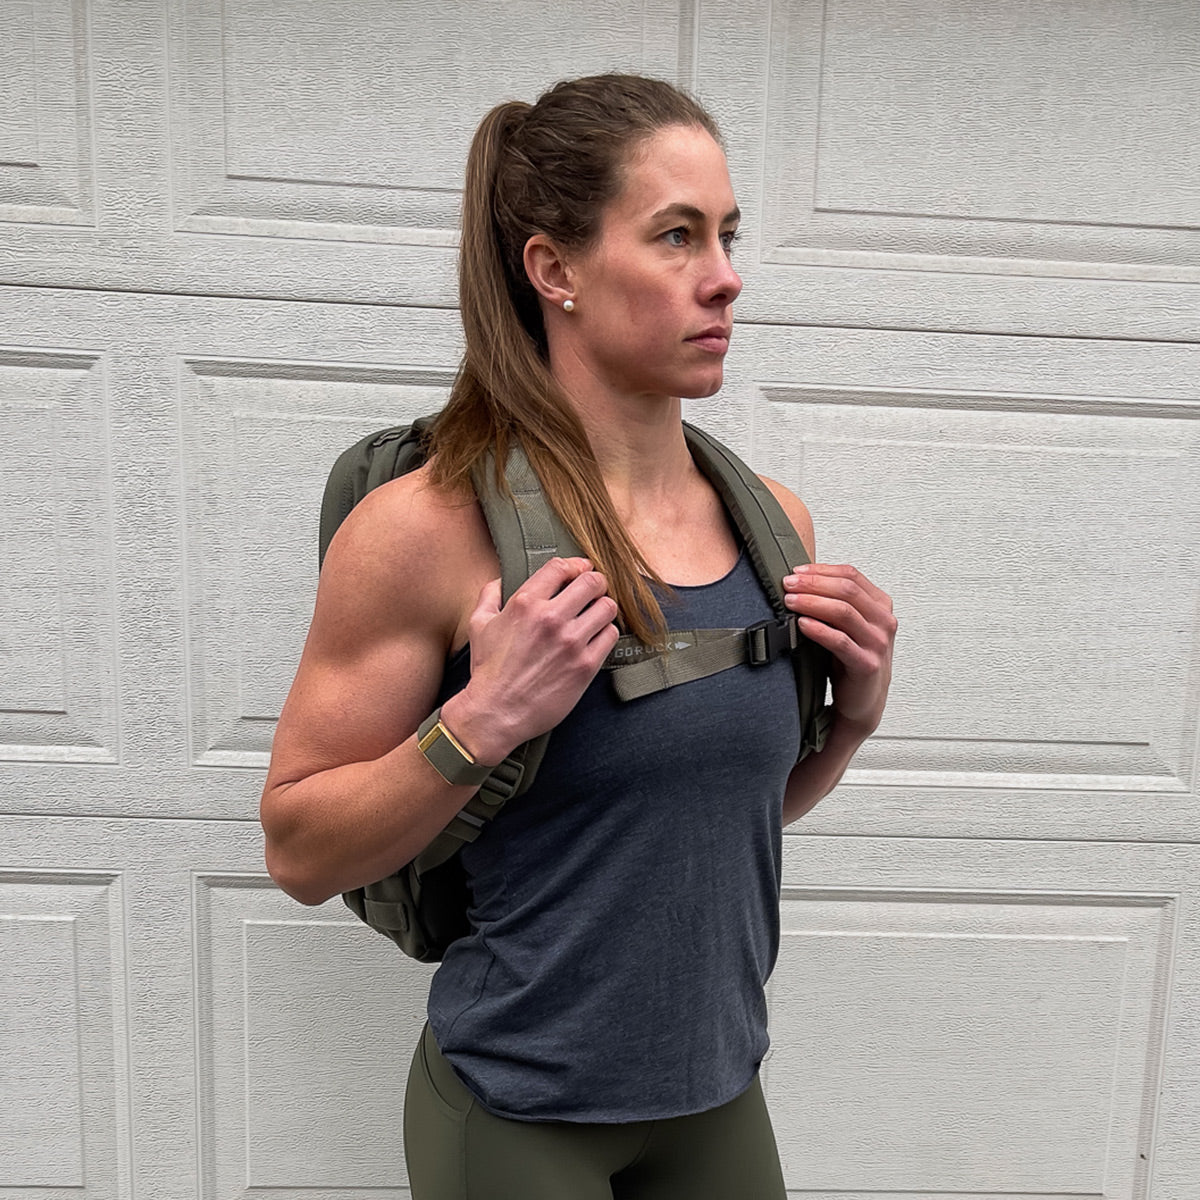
x=728, y=239
x=676, y=237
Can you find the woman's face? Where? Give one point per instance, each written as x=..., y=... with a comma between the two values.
x=654, y=294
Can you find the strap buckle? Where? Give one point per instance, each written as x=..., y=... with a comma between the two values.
x=768, y=640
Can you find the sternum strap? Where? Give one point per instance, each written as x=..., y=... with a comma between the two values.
x=685, y=655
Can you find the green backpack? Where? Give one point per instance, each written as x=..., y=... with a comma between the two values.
x=423, y=906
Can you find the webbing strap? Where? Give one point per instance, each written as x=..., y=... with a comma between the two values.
x=689, y=654
x=527, y=534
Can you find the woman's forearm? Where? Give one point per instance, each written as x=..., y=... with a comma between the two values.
x=350, y=825
x=814, y=778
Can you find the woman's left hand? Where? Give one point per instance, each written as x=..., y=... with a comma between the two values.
x=841, y=609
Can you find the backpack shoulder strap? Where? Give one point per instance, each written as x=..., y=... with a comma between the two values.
x=775, y=549
x=526, y=531
x=774, y=545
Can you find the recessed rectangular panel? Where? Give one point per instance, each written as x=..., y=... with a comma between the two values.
x=320, y=1053
x=391, y=73
x=31, y=617
x=57, y=686
x=1081, y=115
x=41, y=1135
x=64, y=1032
x=965, y=1045
x=1038, y=131
x=45, y=112
x=363, y=114
x=260, y=440
x=945, y=1049
x=307, y=1021
x=1042, y=565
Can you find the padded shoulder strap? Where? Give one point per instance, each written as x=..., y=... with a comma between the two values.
x=525, y=529
x=775, y=548
x=774, y=545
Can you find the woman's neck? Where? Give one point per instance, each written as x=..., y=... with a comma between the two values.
x=660, y=496
x=637, y=440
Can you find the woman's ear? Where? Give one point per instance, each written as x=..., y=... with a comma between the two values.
x=549, y=271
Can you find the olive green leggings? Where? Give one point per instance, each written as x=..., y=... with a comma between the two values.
x=457, y=1150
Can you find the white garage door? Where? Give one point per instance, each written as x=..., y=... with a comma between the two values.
x=968, y=338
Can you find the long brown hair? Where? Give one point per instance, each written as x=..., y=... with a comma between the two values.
x=550, y=168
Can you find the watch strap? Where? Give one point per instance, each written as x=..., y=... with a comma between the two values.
x=447, y=755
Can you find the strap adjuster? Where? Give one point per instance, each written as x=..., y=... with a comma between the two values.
x=502, y=782
x=768, y=640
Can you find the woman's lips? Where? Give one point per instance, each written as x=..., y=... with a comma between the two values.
x=715, y=343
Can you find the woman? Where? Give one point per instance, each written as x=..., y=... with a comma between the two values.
x=599, y=1033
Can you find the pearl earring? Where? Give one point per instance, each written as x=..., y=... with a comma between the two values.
x=568, y=306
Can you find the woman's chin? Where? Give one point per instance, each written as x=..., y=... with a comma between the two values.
x=702, y=389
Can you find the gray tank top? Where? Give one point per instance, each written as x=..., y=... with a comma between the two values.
x=626, y=908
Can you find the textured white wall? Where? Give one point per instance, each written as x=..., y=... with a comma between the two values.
x=970, y=338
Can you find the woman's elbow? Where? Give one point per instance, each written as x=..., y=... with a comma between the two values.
x=290, y=877
x=291, y=872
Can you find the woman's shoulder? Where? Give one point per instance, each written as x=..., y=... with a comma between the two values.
x=414, y=547
x=412, y=516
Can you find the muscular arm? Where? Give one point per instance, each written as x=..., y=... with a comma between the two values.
x=842, y=610
x=349, y=798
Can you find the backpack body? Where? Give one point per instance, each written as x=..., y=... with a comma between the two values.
x=423, y=906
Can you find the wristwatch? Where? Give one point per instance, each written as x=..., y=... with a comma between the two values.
x=447, y=755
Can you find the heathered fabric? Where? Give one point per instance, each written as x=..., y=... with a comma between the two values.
x=626, y=908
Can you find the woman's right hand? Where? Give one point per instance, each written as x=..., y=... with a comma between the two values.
x=533, y=658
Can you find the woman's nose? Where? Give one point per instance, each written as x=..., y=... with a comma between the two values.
x=725, y=284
